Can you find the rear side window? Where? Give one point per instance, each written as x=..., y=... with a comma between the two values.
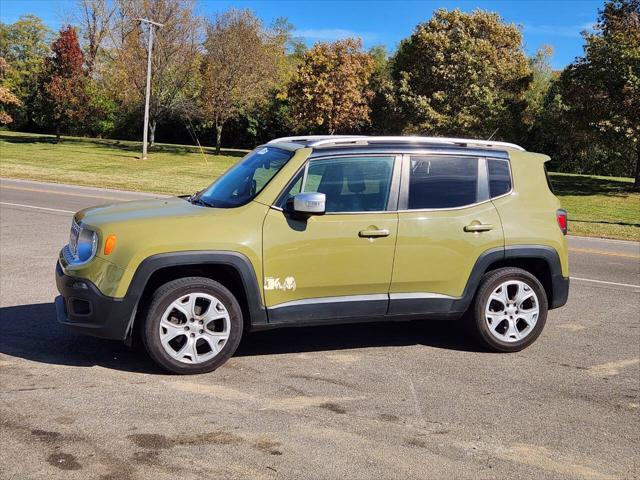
x=499, y=177
x=442, y=182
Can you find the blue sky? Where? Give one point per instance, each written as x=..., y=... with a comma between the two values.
x=556, y=23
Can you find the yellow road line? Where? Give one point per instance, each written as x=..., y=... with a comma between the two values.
x=600, y=252
x=58, y=192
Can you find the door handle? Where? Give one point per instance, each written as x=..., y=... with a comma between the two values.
x=383, y=232
x=478, y=227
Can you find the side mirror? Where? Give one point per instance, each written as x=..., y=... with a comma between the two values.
x=309, y=203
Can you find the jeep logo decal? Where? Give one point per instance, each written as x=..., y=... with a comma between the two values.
x=271, y=283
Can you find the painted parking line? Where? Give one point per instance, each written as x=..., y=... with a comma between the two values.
x=57, y=210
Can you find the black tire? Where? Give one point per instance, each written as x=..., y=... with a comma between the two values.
x=490, y=282
x=164, y=297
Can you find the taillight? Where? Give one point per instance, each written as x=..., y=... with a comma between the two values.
x=561, y=216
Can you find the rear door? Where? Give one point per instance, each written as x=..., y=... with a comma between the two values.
x=445, y=222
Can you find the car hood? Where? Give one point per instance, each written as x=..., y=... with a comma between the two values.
x=140, y=210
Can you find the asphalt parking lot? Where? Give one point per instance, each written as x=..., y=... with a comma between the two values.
x=392, y=400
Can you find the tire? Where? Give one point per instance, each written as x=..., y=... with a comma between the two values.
x=192, y=325
x=517, y=325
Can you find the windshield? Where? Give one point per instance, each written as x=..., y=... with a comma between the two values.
x=246, y=179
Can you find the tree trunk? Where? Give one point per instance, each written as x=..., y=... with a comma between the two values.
x=636, y=184
x=218, y=137
x=57, y=132
x=152, y=133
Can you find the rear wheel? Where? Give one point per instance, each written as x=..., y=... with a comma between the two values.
x=510, y=309
x=192, y=325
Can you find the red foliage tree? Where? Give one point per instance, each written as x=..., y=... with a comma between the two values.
x=65, y=84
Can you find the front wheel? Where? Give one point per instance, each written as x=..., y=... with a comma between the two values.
x=510, y=309
x=192, y=325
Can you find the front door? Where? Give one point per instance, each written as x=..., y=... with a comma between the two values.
x=336, y=265
x=446, y=221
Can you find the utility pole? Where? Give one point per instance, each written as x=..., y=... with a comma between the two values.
x=152, y=25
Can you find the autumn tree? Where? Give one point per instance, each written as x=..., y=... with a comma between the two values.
x=63, y=93
x=462, y=74
x=331, y=91
x=271, y=116
x=242, y=62
x=7, y=99
x=175, y=57
x=593, y=110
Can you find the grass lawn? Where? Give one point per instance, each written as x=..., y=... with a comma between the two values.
x=597, y=206
x=171, y=169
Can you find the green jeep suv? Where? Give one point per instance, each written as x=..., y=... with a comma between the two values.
x=324, y=229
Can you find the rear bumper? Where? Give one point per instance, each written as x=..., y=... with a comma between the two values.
x=560, y=286
x=83, y=309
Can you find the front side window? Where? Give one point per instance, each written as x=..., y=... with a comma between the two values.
x=350, y=184
x=442, y=182
x=246, y=179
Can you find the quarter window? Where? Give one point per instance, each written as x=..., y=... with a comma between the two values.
x=442, y=182
x=499, y=177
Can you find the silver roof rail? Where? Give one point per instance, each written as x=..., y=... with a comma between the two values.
x=337, y=140
x=463, y=142
x=311, y=138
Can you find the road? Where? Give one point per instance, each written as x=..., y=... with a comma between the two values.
x=392, y=400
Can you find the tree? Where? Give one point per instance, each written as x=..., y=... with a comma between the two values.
x=541, y=80
x=175, y=57
x=64, y=86
x=24, y=45
x=596, y=100
x=462, y=74
x=331, y=90
x=241, y=64
x=384, y=109
x=95, y=20
x=7, y=99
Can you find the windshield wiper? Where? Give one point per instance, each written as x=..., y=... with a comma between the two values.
x=197, y=200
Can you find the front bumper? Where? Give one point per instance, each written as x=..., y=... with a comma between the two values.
x=83, y=309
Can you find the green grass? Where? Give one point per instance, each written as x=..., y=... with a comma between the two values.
x=597, y=206
x=170, y=169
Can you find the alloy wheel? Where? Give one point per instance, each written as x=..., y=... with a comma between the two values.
x=512, y=311
x=194, y=328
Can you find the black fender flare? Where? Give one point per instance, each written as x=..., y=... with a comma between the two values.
x=559, y=284
x=238, y=261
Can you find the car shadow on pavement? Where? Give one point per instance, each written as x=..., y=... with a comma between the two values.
x=32, y=332
x=445, y=334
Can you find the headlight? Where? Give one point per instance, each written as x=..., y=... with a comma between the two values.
x=83, y=243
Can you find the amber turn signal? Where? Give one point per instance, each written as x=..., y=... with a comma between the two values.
x=109, y=244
